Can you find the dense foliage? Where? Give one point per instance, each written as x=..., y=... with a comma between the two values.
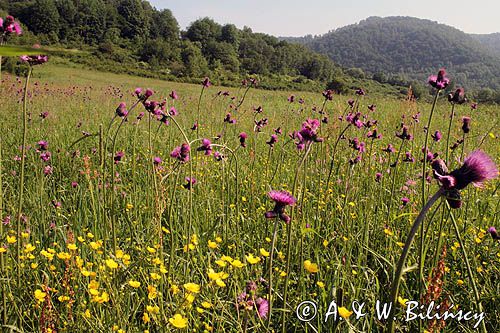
x=406, y=48
x=133, y=32
x=491, y=41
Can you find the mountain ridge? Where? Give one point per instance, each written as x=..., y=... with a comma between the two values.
x=411, y=48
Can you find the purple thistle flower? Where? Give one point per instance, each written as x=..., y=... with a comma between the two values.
x=360, y=92
x=173, y=112
x=350, y=102
x=439, y=81
x=404, y=135
x=206, y=147
x=372, y=107
x=194, y=127
x=190, y=183
x=74, y=184
x=121, y=110
x=44, y=114
x=272, y=140
x=262, y=307
x=405, y=201
x=118, y=157
x=473, y=106
x=181, y=153
x=148, y=93
x=45, y=156
x=476, y=169
x=308, y=133
x=378, y=177
x=157, y=160
x=408, y=157
x=278, y=130
x=390, y=149
x=373, y=134
x=218, y=156
x=493, y=232
x=206, y=83
x=281, y=200
x=47, y=170
x=355, y=160
x=43, y=145
x=243, y=136
x=328, y=94
x=140, y=116
x=173, y=95
x=291, y=98
x=437, y=136
x=466, y=124
x=33, y=60
x=458, y=97
x=138, y=92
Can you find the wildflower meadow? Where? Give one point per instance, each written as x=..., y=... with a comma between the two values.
x=137, y=205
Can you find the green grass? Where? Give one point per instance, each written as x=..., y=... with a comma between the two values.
x=343, y=227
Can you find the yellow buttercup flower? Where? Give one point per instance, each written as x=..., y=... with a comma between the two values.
x=238, y=264
x=344, y=313
x=264, y=253
x=252, y=260
x=11, y=239
x=212, y=245
x=40, y=295
x=402, y=301
x=111, y=263
x=72, y=247
x=134, y=284
x=192, y=287
x=178, y=321
x=311, y=267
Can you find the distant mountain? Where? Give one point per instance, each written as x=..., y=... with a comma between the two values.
x=412, y=48
x=491, y=41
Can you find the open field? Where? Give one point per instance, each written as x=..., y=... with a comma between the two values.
x=122, y=242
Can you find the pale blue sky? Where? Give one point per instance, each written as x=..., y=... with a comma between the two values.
x=298, y=18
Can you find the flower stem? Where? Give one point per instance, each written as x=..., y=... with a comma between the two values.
x=402, y=259
x=21, y=177
x=273, y=244
x=2, y=262
x=467, y=264
x=289, y=236
x=424, y=165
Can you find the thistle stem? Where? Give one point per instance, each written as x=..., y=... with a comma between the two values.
x=402, y=259
x=467, y=264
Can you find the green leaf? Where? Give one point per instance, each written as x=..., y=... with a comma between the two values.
x=16, y=50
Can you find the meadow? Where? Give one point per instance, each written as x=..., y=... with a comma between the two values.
x=111, y=224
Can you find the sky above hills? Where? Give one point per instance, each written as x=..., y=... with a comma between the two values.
x=299, y=18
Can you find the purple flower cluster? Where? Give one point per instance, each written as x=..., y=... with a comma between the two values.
x=260, y=124
x=33, y=60
x=181, y=152
x=307, y=134
x=249, y=300
x=404, y=135
x=9, y=26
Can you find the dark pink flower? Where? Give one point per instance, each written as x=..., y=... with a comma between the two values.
x=437, y=136
x=477, y=169
x=457, y=97
x=439, y=81
x=466, y=124
x=173, y=95
x=243, y=136
x=262, y=307
x=281, y=200
x=206, y=147
x=118, y=157
x=181, y=153
x=206, y=83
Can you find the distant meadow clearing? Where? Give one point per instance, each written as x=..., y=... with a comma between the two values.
x=199, y=208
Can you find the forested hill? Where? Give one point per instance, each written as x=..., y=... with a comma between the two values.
x=491, y=41
x=412, y=48
x=133, y=35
